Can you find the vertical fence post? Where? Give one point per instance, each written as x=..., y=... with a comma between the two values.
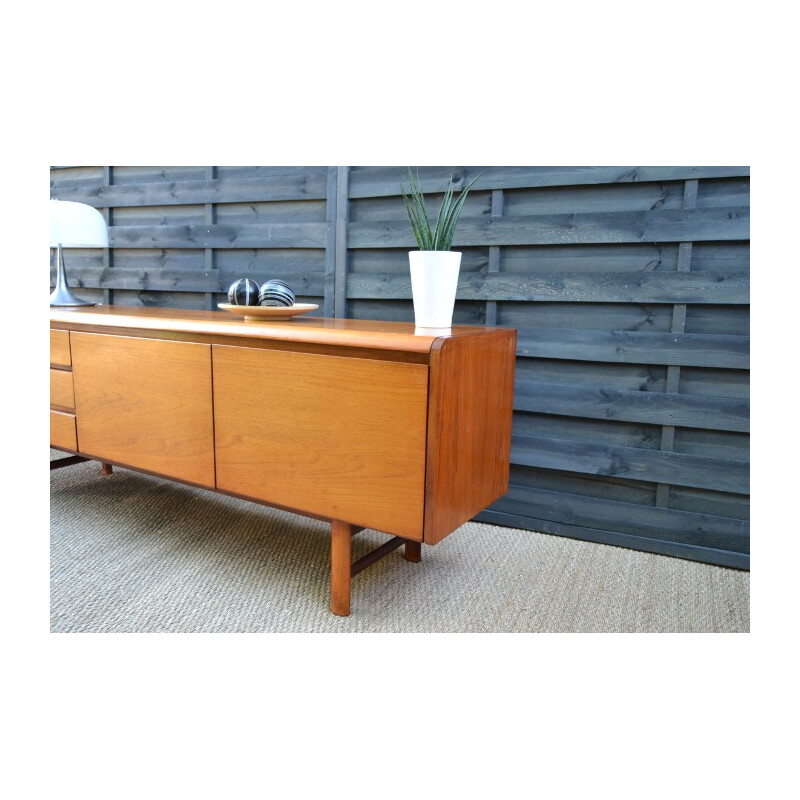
x=678, y=326
x=340, y=269
x=329, y=284
x=108, y=253
x=494, y=255
x=208, y=264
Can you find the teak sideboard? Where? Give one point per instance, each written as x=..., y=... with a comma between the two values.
x=364, y=424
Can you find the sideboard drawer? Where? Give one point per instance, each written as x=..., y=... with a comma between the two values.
x=59, y=348
x=61, y=389
x=62, y=430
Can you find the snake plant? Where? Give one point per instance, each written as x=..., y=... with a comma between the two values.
x=440, y=236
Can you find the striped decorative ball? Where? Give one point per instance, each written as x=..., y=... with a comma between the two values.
x=243, y=292
x=276, y=293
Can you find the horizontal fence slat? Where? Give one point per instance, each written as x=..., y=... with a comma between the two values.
x=635, y=347
x=654, y=408
x=669, y=524
x=304, y=186
x=719, y=556
x=599, y=287
x=631, y=463
x=367, y=182
x=286, y=235
x=179, y=280
x=664, y=225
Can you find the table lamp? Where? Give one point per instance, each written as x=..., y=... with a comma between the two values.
x=73, y=225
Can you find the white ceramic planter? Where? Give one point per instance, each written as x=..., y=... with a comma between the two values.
x=434, y=280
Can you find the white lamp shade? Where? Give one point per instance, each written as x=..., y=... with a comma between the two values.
x=76, y=225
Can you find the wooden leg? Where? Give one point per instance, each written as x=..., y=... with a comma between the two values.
x=341, y=538
x=413, y=552
x=343, y=570
x=107, y=469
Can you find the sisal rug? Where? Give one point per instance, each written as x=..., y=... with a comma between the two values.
x=133, y=553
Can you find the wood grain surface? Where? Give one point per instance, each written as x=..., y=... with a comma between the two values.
x=62, y=430
x=61, y=391
x=469, y=423
x=342, y=438
x=341, y=574
x=59, y=348
x=390, y=336
x=145, y=403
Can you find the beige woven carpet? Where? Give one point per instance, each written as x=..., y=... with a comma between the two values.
x=133, y=553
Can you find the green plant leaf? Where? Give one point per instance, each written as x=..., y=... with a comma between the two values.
x=441, y=237
x=416, y=223
x=455, y=212
x=439, y=242
x=417, y=213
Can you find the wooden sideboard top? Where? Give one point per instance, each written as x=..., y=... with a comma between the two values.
x=310, y=330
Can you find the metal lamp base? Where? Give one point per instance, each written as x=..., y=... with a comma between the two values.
x=68, y=299
x=62, y=295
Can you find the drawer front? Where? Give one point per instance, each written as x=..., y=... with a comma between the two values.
x=341, y=438
x=59, y=349
x=61, y=390
x=62, y=430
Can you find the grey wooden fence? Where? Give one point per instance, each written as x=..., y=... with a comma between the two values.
x=629, y=288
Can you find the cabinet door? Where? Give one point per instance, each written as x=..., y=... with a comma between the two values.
x=341, y=438
x=146, y=403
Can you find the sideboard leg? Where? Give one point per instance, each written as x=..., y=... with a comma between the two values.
x=107, y=469
x=341, y=538
x=413, y=552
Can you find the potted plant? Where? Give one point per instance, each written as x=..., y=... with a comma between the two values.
x=434, y=267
